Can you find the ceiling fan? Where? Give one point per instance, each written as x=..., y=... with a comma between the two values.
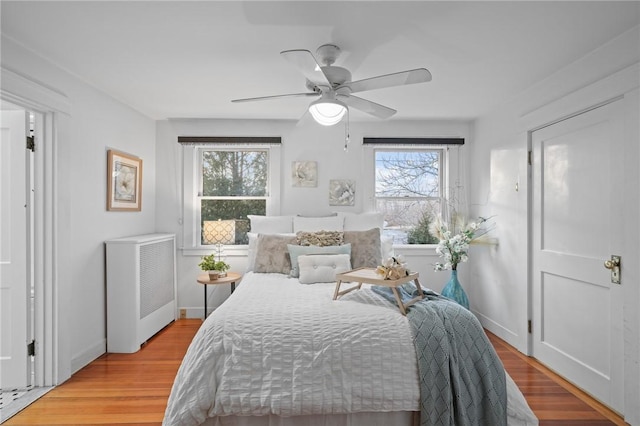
x=334, y=89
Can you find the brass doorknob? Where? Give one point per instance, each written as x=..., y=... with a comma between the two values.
x=611, y=264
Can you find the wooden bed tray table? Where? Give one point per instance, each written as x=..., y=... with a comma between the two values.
x=369, y=276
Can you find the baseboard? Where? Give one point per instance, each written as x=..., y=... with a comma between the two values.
x=84, y=358
x=509, y=336
x=193, y=313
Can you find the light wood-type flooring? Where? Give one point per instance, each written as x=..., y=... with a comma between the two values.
x=132, y=389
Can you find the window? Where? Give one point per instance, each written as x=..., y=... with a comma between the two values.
x=233, y=185
x=226, y=179
x=409, y=191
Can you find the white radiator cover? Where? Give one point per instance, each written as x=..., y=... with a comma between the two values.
x=141, y=289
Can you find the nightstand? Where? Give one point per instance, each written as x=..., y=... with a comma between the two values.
x=231, y=278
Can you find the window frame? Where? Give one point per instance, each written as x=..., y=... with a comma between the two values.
x=448, y=161
x=193, y=186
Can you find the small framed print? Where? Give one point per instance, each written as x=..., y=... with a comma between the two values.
x=124, y=182
x=304, y=174
x=342, y=192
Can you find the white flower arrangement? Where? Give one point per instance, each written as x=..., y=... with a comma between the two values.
x=455, y=239
x=393, y=268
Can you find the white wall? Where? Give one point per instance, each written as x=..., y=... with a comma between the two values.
x=96, y=123
x=497, y=284
x=500, y=163
x=300, y=141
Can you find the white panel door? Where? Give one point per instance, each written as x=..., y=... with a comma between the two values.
x=13, y=251
x=577, y=311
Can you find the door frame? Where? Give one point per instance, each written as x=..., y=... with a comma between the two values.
x=54, y=107
x=621, y=86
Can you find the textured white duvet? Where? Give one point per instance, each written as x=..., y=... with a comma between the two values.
x=278, y=347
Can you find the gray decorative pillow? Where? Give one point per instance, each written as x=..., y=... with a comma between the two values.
x=365, y=248
x=272, y=254
x=320, y=238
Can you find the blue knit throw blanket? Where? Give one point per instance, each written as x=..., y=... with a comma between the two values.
x=462, y=380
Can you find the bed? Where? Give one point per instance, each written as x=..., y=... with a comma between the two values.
x=281, y=351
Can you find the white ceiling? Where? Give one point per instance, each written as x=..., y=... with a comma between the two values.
x=170, y=59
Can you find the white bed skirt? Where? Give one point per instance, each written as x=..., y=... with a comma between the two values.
x=518, y=414
x=399, y=418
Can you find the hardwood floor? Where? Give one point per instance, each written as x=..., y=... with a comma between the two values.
x=117, y=389
x=554, y=401
x=132, y=389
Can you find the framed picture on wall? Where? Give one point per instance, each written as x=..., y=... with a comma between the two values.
x=304, y=174
x=342, y=192
x=124, y=182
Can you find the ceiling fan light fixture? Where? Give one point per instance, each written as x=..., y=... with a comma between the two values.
x=327, y=111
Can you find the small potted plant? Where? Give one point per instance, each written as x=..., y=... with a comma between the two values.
x=215, y=268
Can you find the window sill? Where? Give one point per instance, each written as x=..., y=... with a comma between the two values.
x=228, y=251
x=426, y=250
x=242, y=250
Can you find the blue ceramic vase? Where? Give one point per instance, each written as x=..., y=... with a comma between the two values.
x=454, y=291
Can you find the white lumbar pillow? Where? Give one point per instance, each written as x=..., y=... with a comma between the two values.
x=363, y=221
x=322, y=268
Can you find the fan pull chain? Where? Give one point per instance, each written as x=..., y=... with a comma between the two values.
x=346, y=133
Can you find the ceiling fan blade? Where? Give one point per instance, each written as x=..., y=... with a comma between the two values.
x=419, y=75
x=266, y=98
x=367, y=106
x=306, y=63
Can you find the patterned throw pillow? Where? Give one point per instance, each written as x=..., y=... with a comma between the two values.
x=365, y=248
x=320, y=238
x=272, y=254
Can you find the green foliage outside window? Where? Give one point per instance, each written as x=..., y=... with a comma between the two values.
x=420, y=234
x=234, y=185
x=234, y=173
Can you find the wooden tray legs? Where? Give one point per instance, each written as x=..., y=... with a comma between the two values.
x=339, y=293
x=402, y=306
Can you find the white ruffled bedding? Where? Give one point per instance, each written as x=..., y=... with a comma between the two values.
x=278, y=348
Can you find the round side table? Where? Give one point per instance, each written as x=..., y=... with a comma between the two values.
x=231, y=278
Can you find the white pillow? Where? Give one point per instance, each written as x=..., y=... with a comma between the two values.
x=251, y=250
x=322, y=268
x=363, y=221
x=271, y=224
x=312, y=224
x=386, y=246
x=315, y=215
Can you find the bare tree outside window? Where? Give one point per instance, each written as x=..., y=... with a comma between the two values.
x=408, y=191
